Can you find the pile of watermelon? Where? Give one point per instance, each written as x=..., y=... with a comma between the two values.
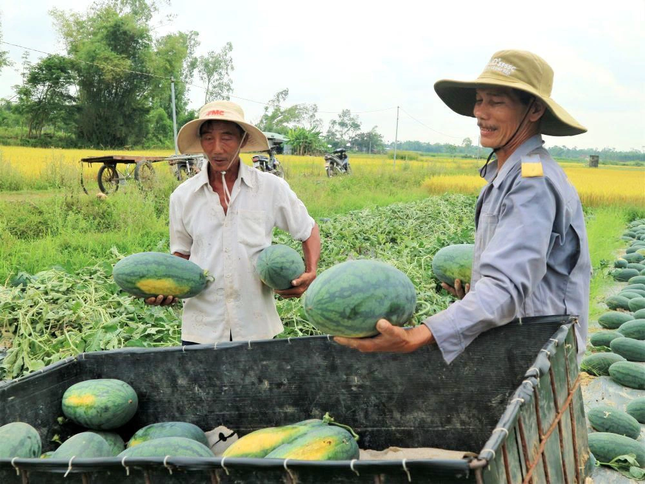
x=619, y=353
x=103, y=406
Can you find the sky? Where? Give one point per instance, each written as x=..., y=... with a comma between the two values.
x=371, y=57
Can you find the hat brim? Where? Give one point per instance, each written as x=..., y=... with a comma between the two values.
x=460, y=97
x=188, y=141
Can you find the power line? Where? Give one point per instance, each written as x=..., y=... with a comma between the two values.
x=426, y=126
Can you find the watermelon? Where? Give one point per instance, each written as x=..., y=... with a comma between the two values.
x=263, y=441
x=633, y=329
x=278, y=265
x=18, y=439
x=598, y=364
x=636, y=304
x=629, y=348
x=636, y=408
x=631, y=287
x=321, y=443
x=629, y=294
x=628, y=373
x=454, y=262
x=620, y=264
x=604, y=338
x=172, y=446
x=618, y=302
x=640, y=314
x=150, y=274
x=614, y=319
x=349, y=298
x=101, y=404
x=633, y=257
x=606, y=446
x=636, y=280
x=634, y=265
x=83, y=445
x=113, y=439
x=168, y=429
x=624, y=275
x=604, y=418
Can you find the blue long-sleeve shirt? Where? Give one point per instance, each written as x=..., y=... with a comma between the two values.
x=531, y=252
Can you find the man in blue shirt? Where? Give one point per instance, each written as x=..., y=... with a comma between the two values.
x=531, y=253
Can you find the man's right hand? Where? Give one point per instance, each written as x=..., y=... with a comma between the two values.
x=161, y=300
x=458, y=291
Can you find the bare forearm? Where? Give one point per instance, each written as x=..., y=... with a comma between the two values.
x=311, y=250
x=183, y=256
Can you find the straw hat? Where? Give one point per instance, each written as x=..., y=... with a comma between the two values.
x=188, y=138
x=517, y=69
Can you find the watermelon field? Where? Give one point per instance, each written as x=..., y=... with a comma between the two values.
x=58, y=244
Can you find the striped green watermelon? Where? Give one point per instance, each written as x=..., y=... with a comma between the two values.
x=605, y=418
x=278, y=265
x=101, y=404
x=454, y=262
x=18, y=439
x=606, y=446
x=325, y=442
x=172, y=446
x=636, y=408
x=349, y=298
x=83, y=445
x=149, y=274
x=168, y=429
x=636, y=304
x=113, y=439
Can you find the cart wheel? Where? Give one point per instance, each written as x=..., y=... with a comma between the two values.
x=144, y=174
x=108, y=179
x=181, y=172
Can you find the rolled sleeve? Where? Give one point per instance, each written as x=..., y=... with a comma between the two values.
x=180, y=239
x=511, y=266
x=292, y=215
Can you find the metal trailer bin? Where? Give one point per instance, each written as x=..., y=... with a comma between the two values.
x=513, y=398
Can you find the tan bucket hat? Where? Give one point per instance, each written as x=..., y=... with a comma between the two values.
x=188, y=138
x=520, y=70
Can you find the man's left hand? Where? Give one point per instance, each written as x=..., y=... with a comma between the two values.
x=392, y=339
x=300, y=285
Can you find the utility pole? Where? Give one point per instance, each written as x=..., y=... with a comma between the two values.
x=396, y=135
x=174, y=114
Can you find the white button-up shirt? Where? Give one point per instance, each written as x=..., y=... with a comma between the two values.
x=237, y=303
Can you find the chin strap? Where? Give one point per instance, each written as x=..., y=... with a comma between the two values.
x=483, y=169
x=227, y=193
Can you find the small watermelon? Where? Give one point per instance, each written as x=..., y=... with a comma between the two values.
x=278, y=265
x=149, y=274
x=18, y=439
x=101, y=404
x=85, y=444
x=349, y=298
x=168, y=429
x=454, y=262
x=172, y=446
x=114, y=440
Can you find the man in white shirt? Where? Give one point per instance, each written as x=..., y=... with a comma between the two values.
x=222, y=218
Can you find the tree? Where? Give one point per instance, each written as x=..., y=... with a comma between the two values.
x=4, y=59
x=305, y=141
x=279, y=120
x=44, y=97
x=467, y=143
x=214, y=70
x=369, y=141
x=343, y=129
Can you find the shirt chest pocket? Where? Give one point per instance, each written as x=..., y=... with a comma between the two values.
x=486, y=229
x=250, y=228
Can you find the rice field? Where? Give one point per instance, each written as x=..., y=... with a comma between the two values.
x=37, y=168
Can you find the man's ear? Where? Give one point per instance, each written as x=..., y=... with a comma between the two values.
x=537, y=110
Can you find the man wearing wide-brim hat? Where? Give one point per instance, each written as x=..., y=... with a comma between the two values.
x=222, y=218
x=531, y=254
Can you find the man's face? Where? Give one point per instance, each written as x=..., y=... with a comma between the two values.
x=499, y=112
x=220, y=142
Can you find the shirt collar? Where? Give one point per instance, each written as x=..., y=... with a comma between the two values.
x=525, y=148
x=246, y=173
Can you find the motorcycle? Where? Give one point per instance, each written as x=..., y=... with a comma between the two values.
x=268, y=164
x=186, y=166
x=337, y=163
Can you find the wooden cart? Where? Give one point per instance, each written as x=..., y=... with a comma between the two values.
x=116, y=170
